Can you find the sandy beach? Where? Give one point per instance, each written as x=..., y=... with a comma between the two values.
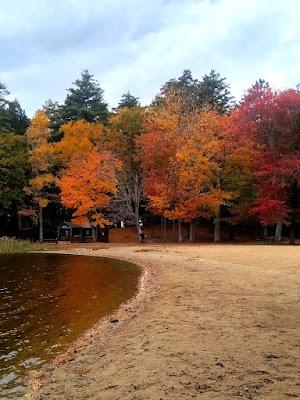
x=209, y=322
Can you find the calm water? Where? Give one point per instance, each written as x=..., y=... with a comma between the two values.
x=47, y=301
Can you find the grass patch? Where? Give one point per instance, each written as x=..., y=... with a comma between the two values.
x=12, y=246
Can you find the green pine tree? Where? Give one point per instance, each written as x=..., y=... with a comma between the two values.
x=211, y=91
x=17, y=117
x=85, y=101
x=4, y=117
x=12, y=116
x=215, y=92
x=13, y=171
x=54, y=113
x=128, y=101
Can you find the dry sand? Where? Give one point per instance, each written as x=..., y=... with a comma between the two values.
x=210, y=322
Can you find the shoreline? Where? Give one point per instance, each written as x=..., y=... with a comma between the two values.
x=212, y=322
x=104, y=327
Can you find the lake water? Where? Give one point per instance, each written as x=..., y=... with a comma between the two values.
x=47, y=301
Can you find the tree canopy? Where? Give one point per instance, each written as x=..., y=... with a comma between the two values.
x=191, y=155
x=212, y=91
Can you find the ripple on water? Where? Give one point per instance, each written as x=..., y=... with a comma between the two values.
x=47, y=301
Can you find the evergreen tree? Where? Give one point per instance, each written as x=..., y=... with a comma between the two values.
x=85, y=101
x=186, y=87
x=54, y=114
x=4, y=118
x=3, y=93
x=128, y=101
x=13, y=172
x=17, y=117
x=5, y=126
x=215, y=92
x=212, y=91
x=12, y=116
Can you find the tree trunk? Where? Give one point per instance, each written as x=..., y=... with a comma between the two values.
x=191, y=231
x=174, y=230
x=292, y=232
x=217, y=222
x=165, y=229
x=179, y=231
x=231, y=233
x=19, y=222
x=19, y=226
x=95, y=233
x=293, y=205
x=41, y=231
x=137, y=223
x=265, y=233
x=278, y=231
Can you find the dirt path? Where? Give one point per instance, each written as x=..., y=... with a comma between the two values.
x=222, y=324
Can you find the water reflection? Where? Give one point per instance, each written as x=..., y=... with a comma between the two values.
x=47, y=301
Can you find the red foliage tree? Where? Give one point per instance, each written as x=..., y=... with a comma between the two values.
x=272, y=119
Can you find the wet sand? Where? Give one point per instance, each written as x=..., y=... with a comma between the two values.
x=209, y=322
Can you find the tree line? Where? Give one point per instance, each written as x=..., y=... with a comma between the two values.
x=192, y=155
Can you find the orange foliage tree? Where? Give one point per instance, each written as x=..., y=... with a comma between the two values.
x=195, y=165
x=215, y=164
x=87, y=186
x=158, y=146
x=88, y=174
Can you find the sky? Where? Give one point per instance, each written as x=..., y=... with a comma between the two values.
x=138, y=45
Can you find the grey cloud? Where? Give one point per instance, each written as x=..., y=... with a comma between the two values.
x=137, y=44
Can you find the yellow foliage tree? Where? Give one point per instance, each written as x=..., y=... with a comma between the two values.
x=79, y=138
x=41, y=161
x=125, y=126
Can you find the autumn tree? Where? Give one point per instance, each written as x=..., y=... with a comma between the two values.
x=85, y=101
x=158, y=145
x=87, y=172
x=156, y=149
x=124, y=127
x=215, y=164
x=272, y=120
x=87, y=185
x=79, y=138
x=41, y=183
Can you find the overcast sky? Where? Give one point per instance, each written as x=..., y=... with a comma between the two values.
x=139, y=44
